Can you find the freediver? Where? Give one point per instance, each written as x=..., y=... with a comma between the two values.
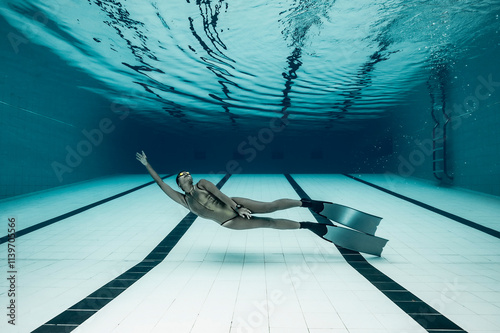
x=206, y=200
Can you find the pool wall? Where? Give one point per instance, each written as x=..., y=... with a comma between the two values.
x=473, y=141
x=46, y=120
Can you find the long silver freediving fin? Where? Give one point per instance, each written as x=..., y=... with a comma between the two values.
x=355, y=240
x=351, y=217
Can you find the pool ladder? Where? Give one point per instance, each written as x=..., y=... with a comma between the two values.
x=439, y=140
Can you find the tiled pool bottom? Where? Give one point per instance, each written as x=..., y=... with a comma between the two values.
x=139, y=262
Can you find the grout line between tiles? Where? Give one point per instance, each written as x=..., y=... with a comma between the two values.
x=426, y=316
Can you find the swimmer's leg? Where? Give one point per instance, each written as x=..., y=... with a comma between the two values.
x=240, y=223
x=260, y=207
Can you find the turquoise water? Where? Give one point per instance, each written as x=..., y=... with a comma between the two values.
x=205, y=86
x=324, y=63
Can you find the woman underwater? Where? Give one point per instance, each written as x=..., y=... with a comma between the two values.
x=206, y=200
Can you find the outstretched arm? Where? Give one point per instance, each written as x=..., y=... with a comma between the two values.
x=210, y=187
x=174, y=195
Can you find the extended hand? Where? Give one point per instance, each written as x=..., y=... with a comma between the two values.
x=244, y=212
x=141, y=158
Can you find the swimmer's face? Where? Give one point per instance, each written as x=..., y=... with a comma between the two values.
x=185, y=181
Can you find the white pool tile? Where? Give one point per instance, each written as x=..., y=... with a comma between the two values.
x=220, y=280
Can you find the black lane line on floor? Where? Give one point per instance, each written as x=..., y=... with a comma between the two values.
x=83, y=310
x=427, y=317
x=40, y=225
x=469, y=223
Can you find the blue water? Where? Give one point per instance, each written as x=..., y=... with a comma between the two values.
x=224, y=62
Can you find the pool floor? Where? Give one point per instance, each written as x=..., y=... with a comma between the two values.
x=115, y=254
